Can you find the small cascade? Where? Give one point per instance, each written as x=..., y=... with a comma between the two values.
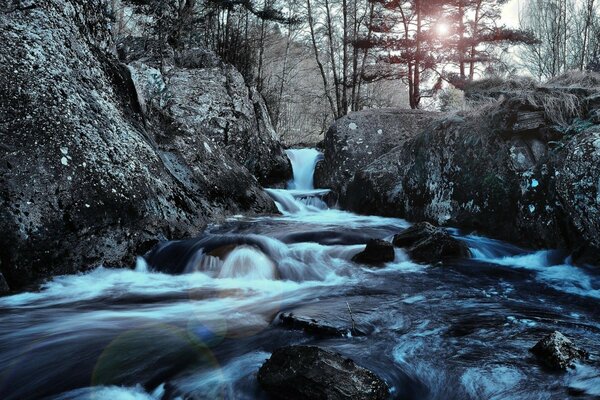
x=301, y=197
x=304, y=162
x=248, y=262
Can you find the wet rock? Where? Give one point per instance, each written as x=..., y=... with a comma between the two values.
x=86, y=177
x=4, y=289
x=377, y=252
x=426, y=243
x=307, y=372
x=339, y=316
x=414, y=234
x=524, y=184
x=315, y=327
x=558, y=352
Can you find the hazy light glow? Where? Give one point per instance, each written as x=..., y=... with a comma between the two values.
x=442, y=29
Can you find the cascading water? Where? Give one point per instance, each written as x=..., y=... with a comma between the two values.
x=197, y=318
x=301, y=197
x=303, y=162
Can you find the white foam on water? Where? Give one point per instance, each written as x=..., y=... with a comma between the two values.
x=112, y=393
x=248, y=262
x=561, y=276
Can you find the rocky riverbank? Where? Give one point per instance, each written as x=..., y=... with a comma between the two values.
x=524, y=168
x=103, y=157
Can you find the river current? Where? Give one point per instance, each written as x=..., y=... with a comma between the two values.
x=196, y=318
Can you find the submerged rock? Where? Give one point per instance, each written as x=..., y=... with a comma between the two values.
x=377, y=252
x=414, y=234
x=558, y=352
x=308, y=372
x=426, y=243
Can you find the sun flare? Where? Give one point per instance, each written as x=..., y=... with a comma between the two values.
x=442, y=29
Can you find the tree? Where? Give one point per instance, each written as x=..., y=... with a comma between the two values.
x=568, y=35
x=476, y=35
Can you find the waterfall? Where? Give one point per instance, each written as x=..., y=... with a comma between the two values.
x=301, y=196
x=304, y=162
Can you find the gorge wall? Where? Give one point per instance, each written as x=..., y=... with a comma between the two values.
x=100, y=160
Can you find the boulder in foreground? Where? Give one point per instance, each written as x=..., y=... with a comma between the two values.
x=308, y=372
x=377, y=252
x=558, y=352
x=426, y=243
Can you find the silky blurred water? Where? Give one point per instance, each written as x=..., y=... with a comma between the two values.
x=195, y=319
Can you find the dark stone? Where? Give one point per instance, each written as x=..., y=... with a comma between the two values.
x=4, y=288
x=558, y=352
x=341, y=316
x=377, y=252
x=413, y=234
x=313, y=327
x=438, y=247
x=426, y=243
x=307, y=372
x=357, y=139
x=215, y=102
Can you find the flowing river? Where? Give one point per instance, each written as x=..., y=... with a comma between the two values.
x=195, y=319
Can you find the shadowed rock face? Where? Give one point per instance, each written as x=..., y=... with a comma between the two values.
x=426, y=243
x=466, y=171
x=85, y=179
x=307, y=372
x=558, y=352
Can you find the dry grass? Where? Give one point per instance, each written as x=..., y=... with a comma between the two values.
x=561, y=99
x=498, y=85
x=576, y=79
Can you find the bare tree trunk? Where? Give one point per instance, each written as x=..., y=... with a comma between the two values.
x=283, y=77
x=364, y=58
x=344, y=109
x=311, y=25
x=417, y=67
x=336, y=80
x=261, y=53
x=475, y=33
x=461, y=34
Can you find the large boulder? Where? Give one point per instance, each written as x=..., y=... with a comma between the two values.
x=428, y=244
x=308, y=372
x=357, y=139
x=85, y=177
x=512, y=180
x=376, y=252
x=558, y=352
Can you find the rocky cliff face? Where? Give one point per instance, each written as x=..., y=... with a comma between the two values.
x=505, y=171
x=86, y=176
x=204, y=96
x=194, y=89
